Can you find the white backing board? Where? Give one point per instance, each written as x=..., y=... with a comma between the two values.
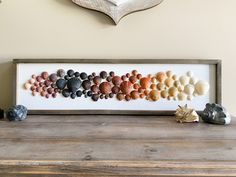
x=25, y=70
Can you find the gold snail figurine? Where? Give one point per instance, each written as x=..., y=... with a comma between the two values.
x=186, y=115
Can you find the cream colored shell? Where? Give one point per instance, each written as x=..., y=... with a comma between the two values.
x=184, y=80
x=189, y=89
x=201, y=87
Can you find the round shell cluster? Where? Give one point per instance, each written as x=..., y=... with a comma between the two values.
x=105, y=85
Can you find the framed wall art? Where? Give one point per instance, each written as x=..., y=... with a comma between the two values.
x=97, y=86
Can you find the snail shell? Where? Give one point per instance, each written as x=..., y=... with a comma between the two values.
x=202, y=87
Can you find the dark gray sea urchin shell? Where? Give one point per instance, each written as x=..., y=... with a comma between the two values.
x=73, y=84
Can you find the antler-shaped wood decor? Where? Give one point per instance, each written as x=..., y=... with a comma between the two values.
x=116, y=9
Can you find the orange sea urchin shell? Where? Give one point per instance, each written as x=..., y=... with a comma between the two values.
x=116, y=80
x=154, y=95
x=126, y=87
x=105, y=87
x=145, y=82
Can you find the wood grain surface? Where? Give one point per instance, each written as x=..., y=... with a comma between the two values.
x=105, y=145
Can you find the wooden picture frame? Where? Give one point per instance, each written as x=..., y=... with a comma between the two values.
x=217, y=75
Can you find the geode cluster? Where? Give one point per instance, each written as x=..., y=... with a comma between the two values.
x=105, y=85
x=17, y=113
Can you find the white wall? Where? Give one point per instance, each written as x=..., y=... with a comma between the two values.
x=204, y=29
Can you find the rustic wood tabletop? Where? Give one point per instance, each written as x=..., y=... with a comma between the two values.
x=69, y=146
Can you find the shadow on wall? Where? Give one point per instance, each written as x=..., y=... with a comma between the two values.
x=100, y=17
x=6, y=86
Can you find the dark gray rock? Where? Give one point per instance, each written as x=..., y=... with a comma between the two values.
x=17, y=113
x=215, y=114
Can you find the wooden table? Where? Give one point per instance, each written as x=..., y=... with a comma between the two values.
x=69, y=146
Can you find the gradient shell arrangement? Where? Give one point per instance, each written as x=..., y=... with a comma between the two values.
x=105, y=85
